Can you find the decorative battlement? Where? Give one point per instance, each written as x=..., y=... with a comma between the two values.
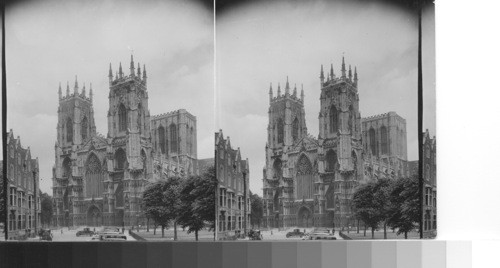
x=75, y=94
x=287, y=94
x=171, y=113
x=331, y=79
x=120, y=78
x=380, y=116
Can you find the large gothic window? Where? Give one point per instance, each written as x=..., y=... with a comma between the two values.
x=384, y=138
x=66, y=167
x=69, y=130
x=331, y=160
x=173, y=138
x=139, y=118
x=305, y=186
x=277, y=167
x=94, y=177
x=120, y=159
x=85, y=126
x=334, y=119
x=122, y=118
x=373, y=143
x=162, y=139
x=295, y=129
x=191, y=141
x=354, y=161
x=281, y=130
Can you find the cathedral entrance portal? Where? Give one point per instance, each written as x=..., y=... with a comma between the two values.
x=304, y=217
x=94, y=217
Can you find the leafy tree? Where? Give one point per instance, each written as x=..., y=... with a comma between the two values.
x=367, y=208
x=197, y=202
x=161, y=202
x=257, y=210
x=46, y=209
x=406, y=209
x=381, y=193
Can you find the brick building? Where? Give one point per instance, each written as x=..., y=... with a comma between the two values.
x=233, y=206
x=23, y=189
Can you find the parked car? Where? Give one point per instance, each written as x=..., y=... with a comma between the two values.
x=85, y=231
x=45, y=235
x=295, y=233
x=255, y=235
x=321, y=234
x=113, y=237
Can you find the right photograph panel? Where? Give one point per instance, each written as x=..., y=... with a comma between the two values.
x=324, y=110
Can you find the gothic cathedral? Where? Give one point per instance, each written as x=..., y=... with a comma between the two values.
x=310, y=181
x=99, y=180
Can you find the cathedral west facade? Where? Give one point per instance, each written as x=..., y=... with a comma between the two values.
x=99, y=180
x=310, y=181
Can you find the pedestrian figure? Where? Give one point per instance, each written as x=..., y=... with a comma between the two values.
x=61, y=231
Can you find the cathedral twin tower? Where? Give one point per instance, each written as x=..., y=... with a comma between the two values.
x=310, y=181
x=99, y=180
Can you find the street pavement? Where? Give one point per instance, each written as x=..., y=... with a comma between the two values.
x=275, y=234
x=70, y=235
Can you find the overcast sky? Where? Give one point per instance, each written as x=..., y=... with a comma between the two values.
x=52, y=41
x=264, y=43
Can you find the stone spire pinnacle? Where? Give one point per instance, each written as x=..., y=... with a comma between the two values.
x=144, y=75
x=91, y=94
x=322, y=75
x=110, y=75
x=355, y=76
x=332, y=75
x=83, y=90
x=67, y=88
x=60, y=91
x=350, y=73
x=287, y=87
x=270, y=92
x=302, y=93
x=343, y=67
x=76, y=85
x=295, y=90
x=132, y=67
x=139, y=70
x=120, y=71
x=279, y=90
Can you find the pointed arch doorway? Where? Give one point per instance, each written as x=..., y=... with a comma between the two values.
x=94, y=216
x=304, y=217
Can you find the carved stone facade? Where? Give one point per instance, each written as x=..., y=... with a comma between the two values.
x=99, y=180
x=310, y=181
x=233, y=207
x=22, y=183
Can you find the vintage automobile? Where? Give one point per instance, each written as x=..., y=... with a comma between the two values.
x=255, y=235
x=85, y=231
x=45, y=235
x=295, y=233
x=321, y=234
x=113, y=237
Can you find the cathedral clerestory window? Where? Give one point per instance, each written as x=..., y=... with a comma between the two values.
x=162, y=139
x=385, y=138
x=373, y=143
x=173, y=138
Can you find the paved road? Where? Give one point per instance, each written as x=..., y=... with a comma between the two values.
x=70, y=235
x=281, y=235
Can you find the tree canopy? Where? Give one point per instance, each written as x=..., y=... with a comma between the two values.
x=257, y=210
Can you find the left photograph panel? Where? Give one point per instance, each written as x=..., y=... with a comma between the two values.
x=110, y=121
